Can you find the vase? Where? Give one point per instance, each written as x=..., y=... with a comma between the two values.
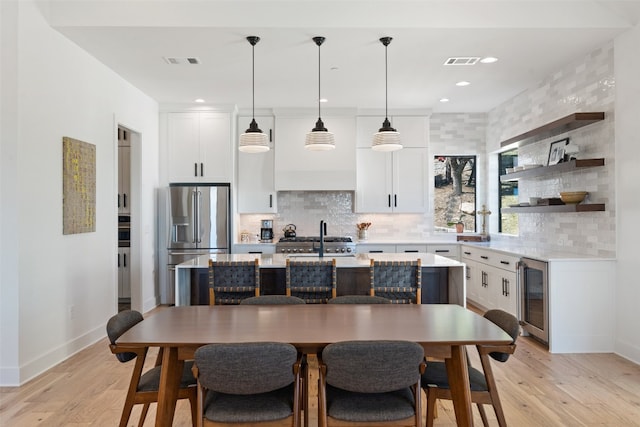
x=363, y=234
x=459, y=227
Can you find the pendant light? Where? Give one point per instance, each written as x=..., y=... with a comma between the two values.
x=387, y=138
x=319, y=139
x=253, y=140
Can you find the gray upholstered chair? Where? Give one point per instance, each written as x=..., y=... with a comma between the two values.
x=143, y=388
x=358, y=299
x=232, y=281
x=248, y=384
x=272, y=300
x=483, y=384
x=313, y=281
x=398, y=281
x=373, y=382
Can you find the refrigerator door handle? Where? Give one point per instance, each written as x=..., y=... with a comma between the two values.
x=198, y=210
x=195, y=217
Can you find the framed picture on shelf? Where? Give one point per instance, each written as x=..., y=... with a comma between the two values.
x=556, y=151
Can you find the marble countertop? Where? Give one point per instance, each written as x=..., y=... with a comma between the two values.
x=358, y=260
x=512, y=248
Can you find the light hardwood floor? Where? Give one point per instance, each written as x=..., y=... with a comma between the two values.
x=536, y=388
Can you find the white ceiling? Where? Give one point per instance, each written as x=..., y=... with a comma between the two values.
x=531, y=38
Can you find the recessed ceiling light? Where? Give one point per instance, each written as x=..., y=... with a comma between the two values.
x=324, y=100
x=444, y=100
x=463, y=83
x=489, y=60
x=199, y=100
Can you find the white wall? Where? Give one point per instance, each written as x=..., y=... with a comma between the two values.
x=66, y=285
x=627, y=128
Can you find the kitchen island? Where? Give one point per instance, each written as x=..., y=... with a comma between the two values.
x=443, y=279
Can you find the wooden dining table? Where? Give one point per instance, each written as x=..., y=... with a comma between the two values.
x=441, y=329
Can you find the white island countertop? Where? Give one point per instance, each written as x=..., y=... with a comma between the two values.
x=342, y=261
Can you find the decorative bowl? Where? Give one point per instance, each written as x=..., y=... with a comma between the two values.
x=572, y=197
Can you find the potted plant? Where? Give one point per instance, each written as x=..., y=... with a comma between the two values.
x=458, y=223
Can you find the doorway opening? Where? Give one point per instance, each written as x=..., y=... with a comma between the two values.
x=124, y=219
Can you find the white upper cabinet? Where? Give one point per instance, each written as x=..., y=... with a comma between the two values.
x=256, y=180
x=414, y=130
x=300, y=169
x=199, y=147
x=392, y=182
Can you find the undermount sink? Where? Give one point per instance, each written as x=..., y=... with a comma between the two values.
x=340, y=255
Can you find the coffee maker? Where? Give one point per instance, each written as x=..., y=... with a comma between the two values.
x=266, y=231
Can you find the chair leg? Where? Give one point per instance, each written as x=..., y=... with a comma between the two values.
x=483, y=415
x=143, y=415
x=431, y=407
x=126, y=413
x=193, y=402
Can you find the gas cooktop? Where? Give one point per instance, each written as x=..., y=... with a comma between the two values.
x=327, y=239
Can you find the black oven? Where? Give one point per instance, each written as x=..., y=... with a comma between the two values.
x=534, y=298
x=124, y=231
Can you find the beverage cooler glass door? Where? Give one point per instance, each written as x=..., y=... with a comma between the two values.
x=534, y=298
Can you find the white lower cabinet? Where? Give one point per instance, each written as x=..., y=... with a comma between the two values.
x=124, y=273
x=254, y=248
x=370, y=248
x=492, y=279
x=449, y=251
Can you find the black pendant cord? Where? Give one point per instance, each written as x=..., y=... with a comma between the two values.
x=253, y=81
x=386, y=125
x=319, y=80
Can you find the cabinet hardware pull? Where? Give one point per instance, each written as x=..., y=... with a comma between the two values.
x=124, y=258
x=484, y=257
x=505, y=262
x=255, y=252
x=439, y=251
x=124, y=196
x=201, y=169
x=195, y=169
x=375, y=252
x=118, y=199
x=389, y=200
x=411, y=250
x=467, y=253
x=270, y=135
x=270, y=200
x=118, y=260
x=395, y=200
x=506, y=287
x=503, y=286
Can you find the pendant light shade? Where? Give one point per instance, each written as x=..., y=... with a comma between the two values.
x=387, y=138
x=253, y=140
x=319, y=139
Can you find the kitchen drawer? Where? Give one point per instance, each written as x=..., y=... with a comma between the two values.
x=449, y=251
x=490, y=257
x=411, y=248
x=365, y=248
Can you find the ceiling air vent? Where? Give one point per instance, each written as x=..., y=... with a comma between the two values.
x=464, y=60
x=173, y=60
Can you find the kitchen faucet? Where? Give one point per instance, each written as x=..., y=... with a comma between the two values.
x=323, y=232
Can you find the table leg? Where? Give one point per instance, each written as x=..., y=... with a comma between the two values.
x=459, y=385
x=170, y=375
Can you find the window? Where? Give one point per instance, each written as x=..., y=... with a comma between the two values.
x=508, y=223
x=455, y=192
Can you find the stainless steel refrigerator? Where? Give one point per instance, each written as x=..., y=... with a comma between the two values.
x=198, y=223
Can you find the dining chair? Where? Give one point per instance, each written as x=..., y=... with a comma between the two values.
x=313, y=281
x=272, y=300
x=248, y=384
x=304, y=365
x=483, y=385
x=358, y=299
x=143, y=388
x=370, y=383
x=232, y=281
x=398, y=281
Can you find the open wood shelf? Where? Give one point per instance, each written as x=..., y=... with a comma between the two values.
x=589, y=207
x=557, y=127
x=569, y=166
